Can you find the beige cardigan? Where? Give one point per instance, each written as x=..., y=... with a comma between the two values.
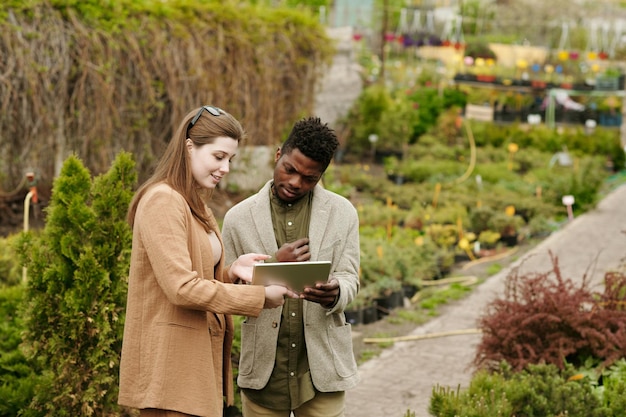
x=177, y=334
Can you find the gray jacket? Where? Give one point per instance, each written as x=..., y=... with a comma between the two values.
x=334, y=236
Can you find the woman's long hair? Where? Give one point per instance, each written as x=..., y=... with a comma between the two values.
x=174, y=167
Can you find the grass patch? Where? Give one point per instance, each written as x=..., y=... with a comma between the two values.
x=384, y=345
x=368, y=354
x=411, y=315
x=443, y=296
x=494, y=269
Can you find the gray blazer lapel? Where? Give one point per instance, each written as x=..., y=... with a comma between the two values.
x=261, y=214
x=319, y=221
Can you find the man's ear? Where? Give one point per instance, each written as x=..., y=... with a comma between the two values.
x=277, y=155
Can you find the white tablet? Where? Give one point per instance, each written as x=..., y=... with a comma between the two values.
x=295, y=275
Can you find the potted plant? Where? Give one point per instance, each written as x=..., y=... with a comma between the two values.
x=362, y=310
x=390, y=294
x=354, y=311
x=488, y=241
x=507, y=226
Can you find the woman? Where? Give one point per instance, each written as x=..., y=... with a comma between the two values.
x=178, y=332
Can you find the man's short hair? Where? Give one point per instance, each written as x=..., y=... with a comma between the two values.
x=314, y=139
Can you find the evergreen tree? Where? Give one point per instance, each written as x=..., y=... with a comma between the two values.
x=16, y=372
x=77, y=282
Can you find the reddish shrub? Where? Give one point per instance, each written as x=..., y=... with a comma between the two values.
x=545, y=318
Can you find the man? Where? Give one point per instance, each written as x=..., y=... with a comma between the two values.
x=299, y=357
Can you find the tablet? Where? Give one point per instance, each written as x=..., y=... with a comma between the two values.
x=295, y=275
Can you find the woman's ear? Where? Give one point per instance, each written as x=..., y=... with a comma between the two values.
x=189, y=144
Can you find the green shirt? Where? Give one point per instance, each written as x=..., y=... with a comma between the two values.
x=290, y=384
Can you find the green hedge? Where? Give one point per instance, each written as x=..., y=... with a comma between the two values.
x=539, y=390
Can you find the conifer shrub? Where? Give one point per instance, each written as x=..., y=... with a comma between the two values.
x=547, y=318
x=76, y=293
x=10, y=270
x=16, y=371
x=538, y=390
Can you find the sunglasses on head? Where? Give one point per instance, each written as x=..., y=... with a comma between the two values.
x=215, y=111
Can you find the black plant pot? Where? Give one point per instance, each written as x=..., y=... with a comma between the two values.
x=409, y=290
x=389, y=302
x=370, y=314
x=355, y=316
x=398, y=298
x=509, y=240
x=382, y=309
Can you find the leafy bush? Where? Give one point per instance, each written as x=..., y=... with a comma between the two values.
x=606, y=142
x=495, y=173
x=430, y=104
x=407, y=196
x=537, y=390
x=365, y=115
x=433, y=146
x=397, y=117
x=613, y=387
x=582, y=181
x=488, y=239
x=426, y=169
x=377, y=257
x=396, y=256
x=479, y=49
x=480, y=217
x=415, y=256
x=546, y=318
x=505, y=224
x=395, y=127
x=377, y=214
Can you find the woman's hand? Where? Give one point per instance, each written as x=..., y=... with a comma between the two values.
x=275, y=295
x=241, y=269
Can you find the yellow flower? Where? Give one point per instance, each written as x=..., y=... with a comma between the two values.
x=510, y=210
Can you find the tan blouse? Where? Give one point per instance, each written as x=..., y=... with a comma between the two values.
x=216, y=247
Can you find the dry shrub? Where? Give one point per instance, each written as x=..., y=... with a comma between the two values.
x=69, y=84
x=546, y=318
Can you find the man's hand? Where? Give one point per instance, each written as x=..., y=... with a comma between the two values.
x=296, y=251
x=325, y=294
